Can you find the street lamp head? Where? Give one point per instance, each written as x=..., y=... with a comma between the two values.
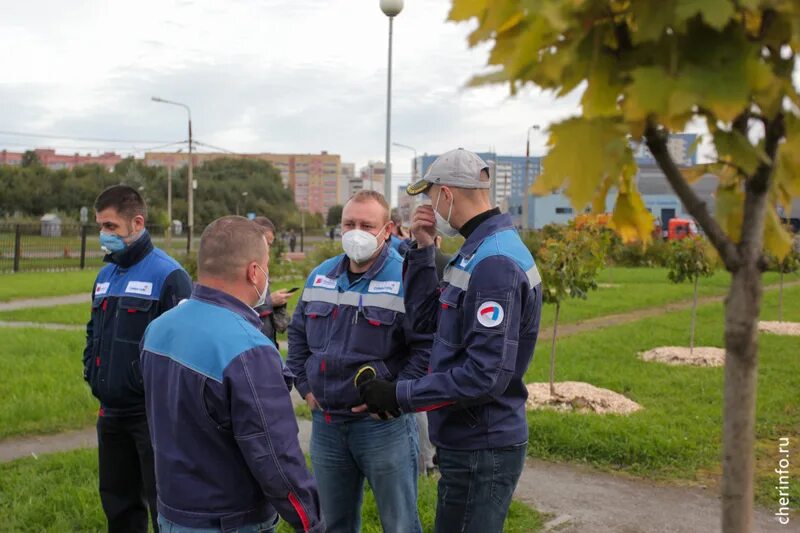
x=391, y=8
x=157, y=99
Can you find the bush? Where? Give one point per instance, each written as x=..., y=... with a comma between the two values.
x=655, y=254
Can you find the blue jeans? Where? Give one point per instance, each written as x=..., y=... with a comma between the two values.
x=386, y=453
x=476, y=487
x=165, y=526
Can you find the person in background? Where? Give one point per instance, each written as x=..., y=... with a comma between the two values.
x=292, y=240
x=273, y=314
x=139, y=284
x=224, y=430
x=351, y=315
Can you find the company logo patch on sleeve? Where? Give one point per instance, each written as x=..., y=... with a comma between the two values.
x=145, y=288
x=101, y=288
x=324, y=281
x=391, y=287
x=490, y=314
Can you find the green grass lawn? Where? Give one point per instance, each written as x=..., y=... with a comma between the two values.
x=628, y=289
x=678, y=433
x=58, y=492
x=41, y=382
x=73, y=314
x=78, y=314
x=44, y=284
x=632, y=289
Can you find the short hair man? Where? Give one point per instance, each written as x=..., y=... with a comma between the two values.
x=139, y=284
x=351, y=315
x=485, y=313
x=223, y=426
x=273, y=314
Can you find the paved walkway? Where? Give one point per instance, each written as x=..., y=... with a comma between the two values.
x=43, y=325
x=30, y=303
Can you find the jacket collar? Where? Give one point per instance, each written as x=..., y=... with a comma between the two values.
x=226, y=301
x=344, y=262
x=488, y=227
x=132, y=254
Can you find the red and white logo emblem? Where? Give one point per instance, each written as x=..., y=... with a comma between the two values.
x=490, y=314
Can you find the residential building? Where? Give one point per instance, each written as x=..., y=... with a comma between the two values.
x=315, y=179
x=50, y=159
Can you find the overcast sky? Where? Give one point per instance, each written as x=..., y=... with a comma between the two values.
x=260, y=76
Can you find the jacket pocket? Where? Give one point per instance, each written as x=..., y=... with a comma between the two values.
x=317, y=322
x=372, y=332
x=133, y=316
x=450, y=329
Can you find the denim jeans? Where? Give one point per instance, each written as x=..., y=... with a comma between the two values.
x=476, y=487
x=270, y=526
x=386, y=453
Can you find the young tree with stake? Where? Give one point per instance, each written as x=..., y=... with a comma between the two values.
x=689, y=261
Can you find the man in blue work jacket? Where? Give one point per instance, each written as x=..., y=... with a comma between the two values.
x=485, y=315
x=351, y=314
x=224, y=430
x=139, y=284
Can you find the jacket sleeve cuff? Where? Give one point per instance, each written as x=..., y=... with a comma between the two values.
x=422, y=255
x=302, y=387
x=403, y=392
x=319, y=528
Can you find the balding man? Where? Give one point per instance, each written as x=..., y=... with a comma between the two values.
x=223, y=428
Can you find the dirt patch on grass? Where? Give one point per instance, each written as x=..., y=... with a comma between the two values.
x=779, y=328
x=579, y=397
x=680, y=355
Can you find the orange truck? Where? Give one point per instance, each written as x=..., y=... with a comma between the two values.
x=680, y=228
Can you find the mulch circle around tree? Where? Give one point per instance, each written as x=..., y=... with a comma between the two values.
x=681, y=355
x=779, y=328
x=579, y=397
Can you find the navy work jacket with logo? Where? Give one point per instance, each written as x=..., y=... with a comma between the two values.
x=139, y=284
x=340, y=326
x=485, y=314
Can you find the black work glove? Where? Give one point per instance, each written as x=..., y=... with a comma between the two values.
x=380, y=397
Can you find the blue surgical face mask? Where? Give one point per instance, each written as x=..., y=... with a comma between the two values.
x=111, y=242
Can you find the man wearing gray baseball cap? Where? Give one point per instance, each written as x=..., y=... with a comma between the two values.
x=485, y=313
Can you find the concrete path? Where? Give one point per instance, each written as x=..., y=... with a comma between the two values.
x=43, y=325
x=583, y=500
x=30, y=303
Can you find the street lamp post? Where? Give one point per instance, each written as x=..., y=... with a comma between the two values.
x=527, y=173
x=390, y=8
x=190, y=184
x=414, y=166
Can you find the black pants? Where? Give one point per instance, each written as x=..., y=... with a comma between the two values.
x=127, y=473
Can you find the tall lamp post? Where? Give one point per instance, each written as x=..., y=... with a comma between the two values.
x=414, y=166
x=190, y=181
x=526, y=185
x=390, y=8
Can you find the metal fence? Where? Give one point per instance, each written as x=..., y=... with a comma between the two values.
x=48, y=247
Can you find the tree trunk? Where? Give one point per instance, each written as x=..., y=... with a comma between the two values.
x=553, y=352
x=742, y=309
x=780, y=299
x=694, y=316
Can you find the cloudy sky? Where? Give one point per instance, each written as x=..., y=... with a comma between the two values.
x=259, y=75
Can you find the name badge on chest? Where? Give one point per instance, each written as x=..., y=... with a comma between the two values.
x=144, y=288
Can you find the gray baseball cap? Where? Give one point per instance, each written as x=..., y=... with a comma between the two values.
x=456, y=168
